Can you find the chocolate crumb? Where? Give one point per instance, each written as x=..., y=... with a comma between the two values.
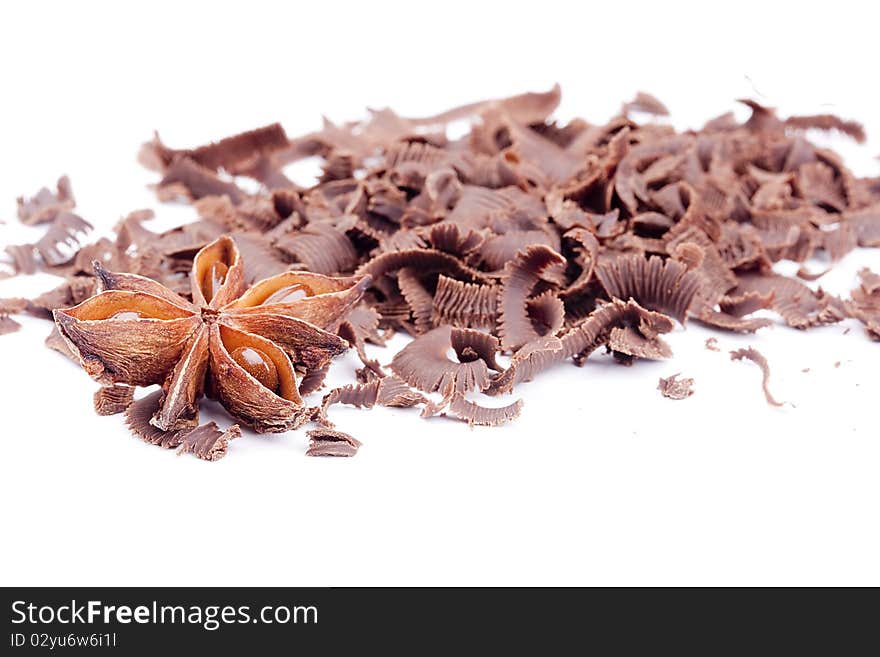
x=675, y=388
x=712, y=344
x=328, y=442
x=758, y=359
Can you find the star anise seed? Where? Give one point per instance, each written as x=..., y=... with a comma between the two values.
x=247, y=344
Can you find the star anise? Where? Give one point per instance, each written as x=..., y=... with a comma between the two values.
x=243, y=346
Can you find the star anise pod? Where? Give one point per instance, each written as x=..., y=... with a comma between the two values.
x=245, y=346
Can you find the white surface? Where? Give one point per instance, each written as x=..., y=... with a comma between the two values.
x=601, y=481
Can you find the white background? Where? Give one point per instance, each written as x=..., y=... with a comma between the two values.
x=601, y=481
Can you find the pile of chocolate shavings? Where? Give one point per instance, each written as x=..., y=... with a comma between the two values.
x=526, y=237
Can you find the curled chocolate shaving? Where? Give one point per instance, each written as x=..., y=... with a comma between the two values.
x=468, y=305
x=635, y=331
x=62, y=241
x=187, y=178
x=474, y=414
x=261, y=258
x=758, y=359
x=113, y=399
x=45, y=205
x=797, y=304
x=327, y=442
x=547, y=313
x=672, y=387
x=645, y=102
x=425, y=365
x=313, y=380
x=420, y=300
x=533, y=265
x=865, y=303
x=362, y=325
x=386, y=391
x=425, y=260
x=852, y=129
x=321, y=248
x=746, y=303
x=586, y=253
x=725, y=322
x=840, y=241
x=665, y=286
x=806, y=275
x=138, y=417
x=207, y=441
x=866, y=223
x=531, y=359
x=232, y=153
x=18, y=259
x=10, y=307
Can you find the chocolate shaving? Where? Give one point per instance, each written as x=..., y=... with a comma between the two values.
x=531, y=359
x=645, y=102
x=725, y=322
x=138, y=416
x=468, y=305
x=664, y=286
x=187, y=178
x=425, y=365
x=866, y=223
x=746, y=303
x=45, y=205
x=534, y=265
x=805, y=275
x=634, y=330
x=8, y=325
x=327, y=442
x=758, y=359
x=828, y=122
x=55, y=342
x=474, y=414
x=10, y=307
x=387, y=391
x=865, y=303
x=232, y=153
x=62, y=241
x=797, y=304
x=674, y=388
x=113, y=399
x=18, y=259
x=207, y=441
x=321, y=248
